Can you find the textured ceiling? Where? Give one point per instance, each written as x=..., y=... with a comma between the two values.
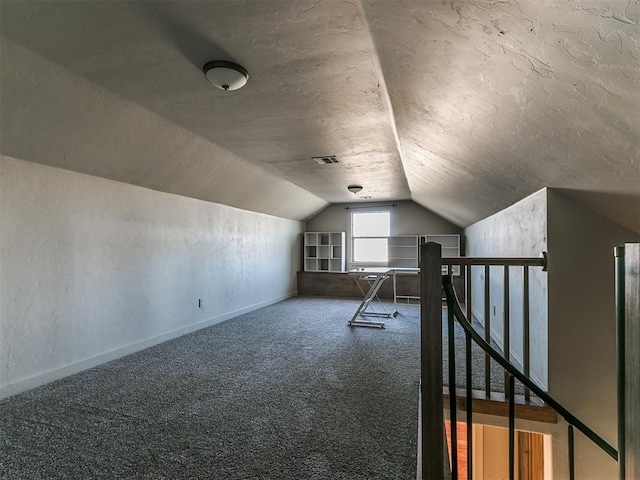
x=463, y=106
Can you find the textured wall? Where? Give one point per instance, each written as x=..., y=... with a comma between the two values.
x=92, y=269
x=582, y=332
x=581, y=315
x=518, y=231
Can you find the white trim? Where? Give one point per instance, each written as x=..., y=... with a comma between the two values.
x=66, y=370
x=354, y=237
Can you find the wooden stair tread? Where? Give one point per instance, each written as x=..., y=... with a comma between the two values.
x=496, y=404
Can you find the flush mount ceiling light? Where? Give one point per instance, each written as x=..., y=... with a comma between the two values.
x=354, y=188
x=226, y=75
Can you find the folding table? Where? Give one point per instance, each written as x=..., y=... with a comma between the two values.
x=376, y=276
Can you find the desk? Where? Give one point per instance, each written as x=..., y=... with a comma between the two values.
x=376, y=276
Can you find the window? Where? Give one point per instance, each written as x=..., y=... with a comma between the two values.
x=370, y=232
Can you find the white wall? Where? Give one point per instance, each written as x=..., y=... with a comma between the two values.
x=580, y=325
x=92, y=269
x=407, y=218
x=582, y=330
x=517, y=231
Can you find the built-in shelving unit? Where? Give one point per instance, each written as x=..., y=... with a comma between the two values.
x=403, y=251
x=324, y=252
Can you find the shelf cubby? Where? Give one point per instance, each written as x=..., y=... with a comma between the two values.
x=324, y=251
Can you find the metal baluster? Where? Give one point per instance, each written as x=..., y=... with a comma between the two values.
x=469, y=408
x=468, y=292
x=526, y=340
x=514, y=373
x=506, y=326
x=487, y=331
x=512, y=427
x=572, y=474
x=453, y=416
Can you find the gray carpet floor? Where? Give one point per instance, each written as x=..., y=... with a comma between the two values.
x=285, y=392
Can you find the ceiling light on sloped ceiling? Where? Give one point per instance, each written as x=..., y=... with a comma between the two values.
x=226, y=76
x=354, y=188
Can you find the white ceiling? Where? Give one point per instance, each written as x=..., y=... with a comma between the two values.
x=463, y=106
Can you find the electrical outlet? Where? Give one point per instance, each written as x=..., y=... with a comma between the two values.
x=201, y=303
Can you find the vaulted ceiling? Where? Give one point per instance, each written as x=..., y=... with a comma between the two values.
x=464, y=107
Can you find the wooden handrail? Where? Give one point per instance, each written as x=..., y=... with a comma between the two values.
x=498, y=261
x=512, y=370
x=431, y=266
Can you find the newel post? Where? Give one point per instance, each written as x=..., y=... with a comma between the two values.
x=432, y=421
x=620, y=338
x=628, y=309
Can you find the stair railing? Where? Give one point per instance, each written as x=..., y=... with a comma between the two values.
x=433, y=285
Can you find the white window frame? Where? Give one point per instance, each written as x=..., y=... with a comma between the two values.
x=376, y=263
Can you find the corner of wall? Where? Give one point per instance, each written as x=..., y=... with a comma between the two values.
x=582, y=343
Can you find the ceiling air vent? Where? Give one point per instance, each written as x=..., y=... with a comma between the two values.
x=326, y=160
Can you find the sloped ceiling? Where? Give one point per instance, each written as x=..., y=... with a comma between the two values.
x=463, y=106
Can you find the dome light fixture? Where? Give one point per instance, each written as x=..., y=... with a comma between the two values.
x=354, y=188
x=225, y=75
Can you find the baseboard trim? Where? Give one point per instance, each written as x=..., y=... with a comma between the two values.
x=66, y=370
